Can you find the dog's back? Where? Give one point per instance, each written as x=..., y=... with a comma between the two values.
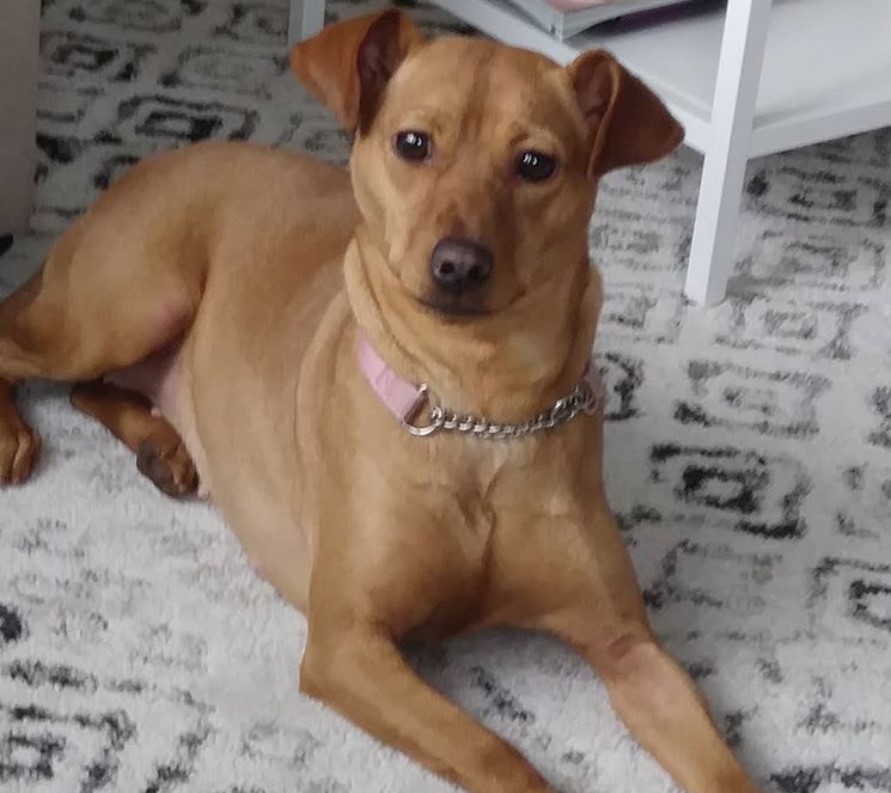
x=183, y=207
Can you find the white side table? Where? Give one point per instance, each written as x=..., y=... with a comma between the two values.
x=306, y=19
x=758, y=78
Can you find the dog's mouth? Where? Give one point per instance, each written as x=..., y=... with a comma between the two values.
x=453, y=309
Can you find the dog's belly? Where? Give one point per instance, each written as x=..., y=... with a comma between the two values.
x=234, y=406
x=257, y=514
x=151, y=377
x=251, y=476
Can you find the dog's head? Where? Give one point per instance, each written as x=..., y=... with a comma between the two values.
x=475, y=164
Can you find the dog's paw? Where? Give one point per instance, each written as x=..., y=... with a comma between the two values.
x=19, y=450
x=170, y=469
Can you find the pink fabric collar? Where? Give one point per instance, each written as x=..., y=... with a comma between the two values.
x=401, y=398
x=405, y=400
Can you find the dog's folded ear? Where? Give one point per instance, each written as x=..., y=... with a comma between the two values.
x=348, y=65
x=629, y=124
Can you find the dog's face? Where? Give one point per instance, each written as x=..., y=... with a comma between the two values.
x=472, y=170
x=475, y=164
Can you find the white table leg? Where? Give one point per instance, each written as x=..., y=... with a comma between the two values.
x=723, y=173
x=19, y=59
x=307, y=17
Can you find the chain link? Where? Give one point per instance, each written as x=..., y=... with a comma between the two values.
x=584, y=398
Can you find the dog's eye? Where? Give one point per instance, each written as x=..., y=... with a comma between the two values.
x=533, y=166
x=412, y=146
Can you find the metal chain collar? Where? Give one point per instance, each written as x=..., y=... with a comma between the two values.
x=585, y=398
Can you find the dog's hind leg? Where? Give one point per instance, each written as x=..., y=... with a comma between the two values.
x=160, y=453
x=97, y=305
x=19, y=445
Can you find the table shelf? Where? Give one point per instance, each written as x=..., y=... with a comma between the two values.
x=826, y=70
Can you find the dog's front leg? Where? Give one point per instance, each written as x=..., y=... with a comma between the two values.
x=579, y=584
x=661, y=707
x=359, y=671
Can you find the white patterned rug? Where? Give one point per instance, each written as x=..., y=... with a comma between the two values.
x=749, y=457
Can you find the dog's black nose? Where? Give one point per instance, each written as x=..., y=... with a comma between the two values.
x=460, y=265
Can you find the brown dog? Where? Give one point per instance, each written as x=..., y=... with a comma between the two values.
x=208, y=284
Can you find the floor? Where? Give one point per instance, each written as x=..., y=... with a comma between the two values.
x=748, y=458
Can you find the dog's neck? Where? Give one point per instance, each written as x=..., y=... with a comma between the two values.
x=506, y=367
